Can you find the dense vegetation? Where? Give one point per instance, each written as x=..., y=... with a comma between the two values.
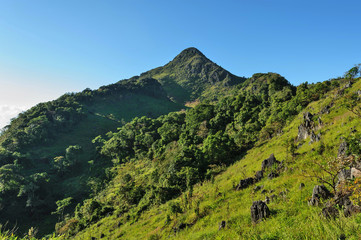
x=171, y=171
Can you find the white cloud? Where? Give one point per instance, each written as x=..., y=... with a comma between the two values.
x=8, y=112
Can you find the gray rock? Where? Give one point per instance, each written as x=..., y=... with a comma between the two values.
x=269, y=162
x=342, y=150
x=244, y=183
x=258, y=176
x=259, y=211
x=303, y=132
x=319, y=192
x=314, y=137
x=344, y=174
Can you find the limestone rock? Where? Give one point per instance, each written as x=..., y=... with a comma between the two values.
x=259, y=175
x=259, y=211
x=244, y=183
x=342, y=150
x=319, y=192
x=269, y=162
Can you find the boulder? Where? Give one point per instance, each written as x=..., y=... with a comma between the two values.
x=259, y=211
x=269, y=162
x=319, y=192
x=244, y=183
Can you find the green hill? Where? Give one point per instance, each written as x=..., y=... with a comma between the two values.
x=33, y=174
x=130, y=161
x=217, y=207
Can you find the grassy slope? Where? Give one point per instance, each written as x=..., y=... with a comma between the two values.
x=292, y=218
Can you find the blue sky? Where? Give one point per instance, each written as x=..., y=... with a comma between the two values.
x=48, y=48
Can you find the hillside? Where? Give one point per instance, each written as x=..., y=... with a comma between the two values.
x=219, y=206
x=131, y=161
x=47, y=153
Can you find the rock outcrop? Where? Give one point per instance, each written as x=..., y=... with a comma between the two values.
x=269, y=162
x=342, y=150
x=319, y=192
x=244, y=183
x=259, y=211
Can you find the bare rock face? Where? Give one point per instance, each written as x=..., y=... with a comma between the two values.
x=259, y=211
x=319, y=192
x=269, y=162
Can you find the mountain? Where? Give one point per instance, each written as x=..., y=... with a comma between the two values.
x=254, y=158
x=190, y=75
x=32, y=144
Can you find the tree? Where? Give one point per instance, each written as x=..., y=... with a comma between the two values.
x=353, y=72
x=62, y=204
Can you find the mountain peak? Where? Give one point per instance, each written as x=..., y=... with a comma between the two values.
x=189, y=53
